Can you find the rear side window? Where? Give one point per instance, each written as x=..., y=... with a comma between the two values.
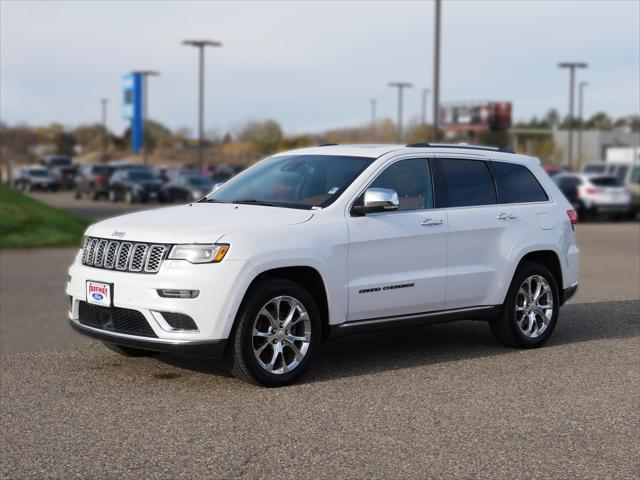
x=519, y=183
x=605, y=181
x=466, y=183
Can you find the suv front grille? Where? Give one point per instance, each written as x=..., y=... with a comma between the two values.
x=115, y=319
x=123, y=256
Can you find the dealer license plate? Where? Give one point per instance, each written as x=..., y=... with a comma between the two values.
x=100, y=293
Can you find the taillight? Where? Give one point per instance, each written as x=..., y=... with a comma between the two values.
x=573, y=218
x=99, y=179
x=591, y=190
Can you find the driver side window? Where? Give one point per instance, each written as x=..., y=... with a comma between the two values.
x=411, y=179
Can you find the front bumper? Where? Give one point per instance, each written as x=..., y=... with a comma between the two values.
x=188, y=348
x=213, y=311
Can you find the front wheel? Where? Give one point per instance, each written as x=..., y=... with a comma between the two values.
x=530, y=311
x=276, y=334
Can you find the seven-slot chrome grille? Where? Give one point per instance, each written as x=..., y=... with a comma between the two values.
x=124, y=256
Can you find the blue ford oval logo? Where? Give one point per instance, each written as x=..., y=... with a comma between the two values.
x=97, y=296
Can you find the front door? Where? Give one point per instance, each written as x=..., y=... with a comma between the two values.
x=397, y=259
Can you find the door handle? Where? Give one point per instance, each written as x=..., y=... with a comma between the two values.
x=430, y=222
x=506, y=216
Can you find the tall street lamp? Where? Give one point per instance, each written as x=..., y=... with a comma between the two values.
x=572, y=84
x=105, y=133
x=373, y=115
x=400, y=86
x=145, y=74
x=436, y=70
x=580, y=117
x=425, y=94
x=201, y=45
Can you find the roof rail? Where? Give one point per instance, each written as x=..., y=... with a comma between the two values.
x=327, y=144
x=461, y=145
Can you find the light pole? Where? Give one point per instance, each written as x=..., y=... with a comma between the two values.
x=145, y=74
x=425, y=94
x=400, y=86
x=105, y=133
x=580, y=117
x=373, y=116
x=572, y=84
x=201, y=45
x=436, y=71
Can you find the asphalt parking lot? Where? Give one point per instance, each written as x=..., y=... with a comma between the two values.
x=436, y=402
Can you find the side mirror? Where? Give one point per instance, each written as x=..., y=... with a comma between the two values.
x=377, y=200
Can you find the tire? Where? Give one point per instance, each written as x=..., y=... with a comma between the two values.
x=113, y=198
x=95, y=196
x=128, y=351
x=505, y=327
x=240, y=357
x=128, y=197
x=77, y=195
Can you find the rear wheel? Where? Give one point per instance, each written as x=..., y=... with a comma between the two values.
x=276, y=334
x=530, y=311
x=128, y=351
x=113, y=197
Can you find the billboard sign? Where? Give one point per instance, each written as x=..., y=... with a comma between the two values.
x=494, y=116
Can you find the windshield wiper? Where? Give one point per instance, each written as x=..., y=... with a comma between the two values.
x=255, y=202
x=208, y=200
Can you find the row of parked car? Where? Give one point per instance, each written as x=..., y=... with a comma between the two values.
x=611, y=189
x=127, y=182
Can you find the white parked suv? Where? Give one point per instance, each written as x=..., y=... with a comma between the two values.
x=313, y=244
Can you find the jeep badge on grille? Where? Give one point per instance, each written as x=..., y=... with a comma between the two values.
x=118, y=234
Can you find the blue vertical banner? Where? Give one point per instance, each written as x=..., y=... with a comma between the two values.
x=132, y=104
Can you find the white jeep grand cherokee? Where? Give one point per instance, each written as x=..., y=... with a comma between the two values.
x=321, y=242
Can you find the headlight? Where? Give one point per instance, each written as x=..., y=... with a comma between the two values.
x=199, y=253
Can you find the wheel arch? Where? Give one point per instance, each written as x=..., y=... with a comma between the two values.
x=306, y=276
x=551, y=260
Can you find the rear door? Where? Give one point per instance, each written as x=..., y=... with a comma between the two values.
x=397, y=259
x=482, y=231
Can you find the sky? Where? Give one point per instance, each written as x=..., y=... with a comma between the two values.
x=311, y=66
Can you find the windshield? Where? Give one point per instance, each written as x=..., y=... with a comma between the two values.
x=104, y=171
x=293, y=181
x=59, y=161
x=594, y=168
x=36, y=172
x=198, y=181
x=143, y=176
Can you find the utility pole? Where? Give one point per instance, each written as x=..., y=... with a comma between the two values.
x=105, y=132
x=400, y=86
x=436, y=71
x=201, y=45
x=145, y=107
x=572, y=84
x=580, y=118
x=425, y=94
x=373, y=116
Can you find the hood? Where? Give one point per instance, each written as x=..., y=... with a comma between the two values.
x=195, y=223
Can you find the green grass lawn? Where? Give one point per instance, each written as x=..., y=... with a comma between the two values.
x=28, y=223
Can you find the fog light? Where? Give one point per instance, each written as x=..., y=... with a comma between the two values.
x=166, y=293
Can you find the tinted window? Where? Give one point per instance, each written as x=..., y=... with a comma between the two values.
x=411, y=180
x=569, y=182
x=467, y=182
x=294, y=181
x=519, y=183
x=605, y=181
x=635, y=175
x=622, y=172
